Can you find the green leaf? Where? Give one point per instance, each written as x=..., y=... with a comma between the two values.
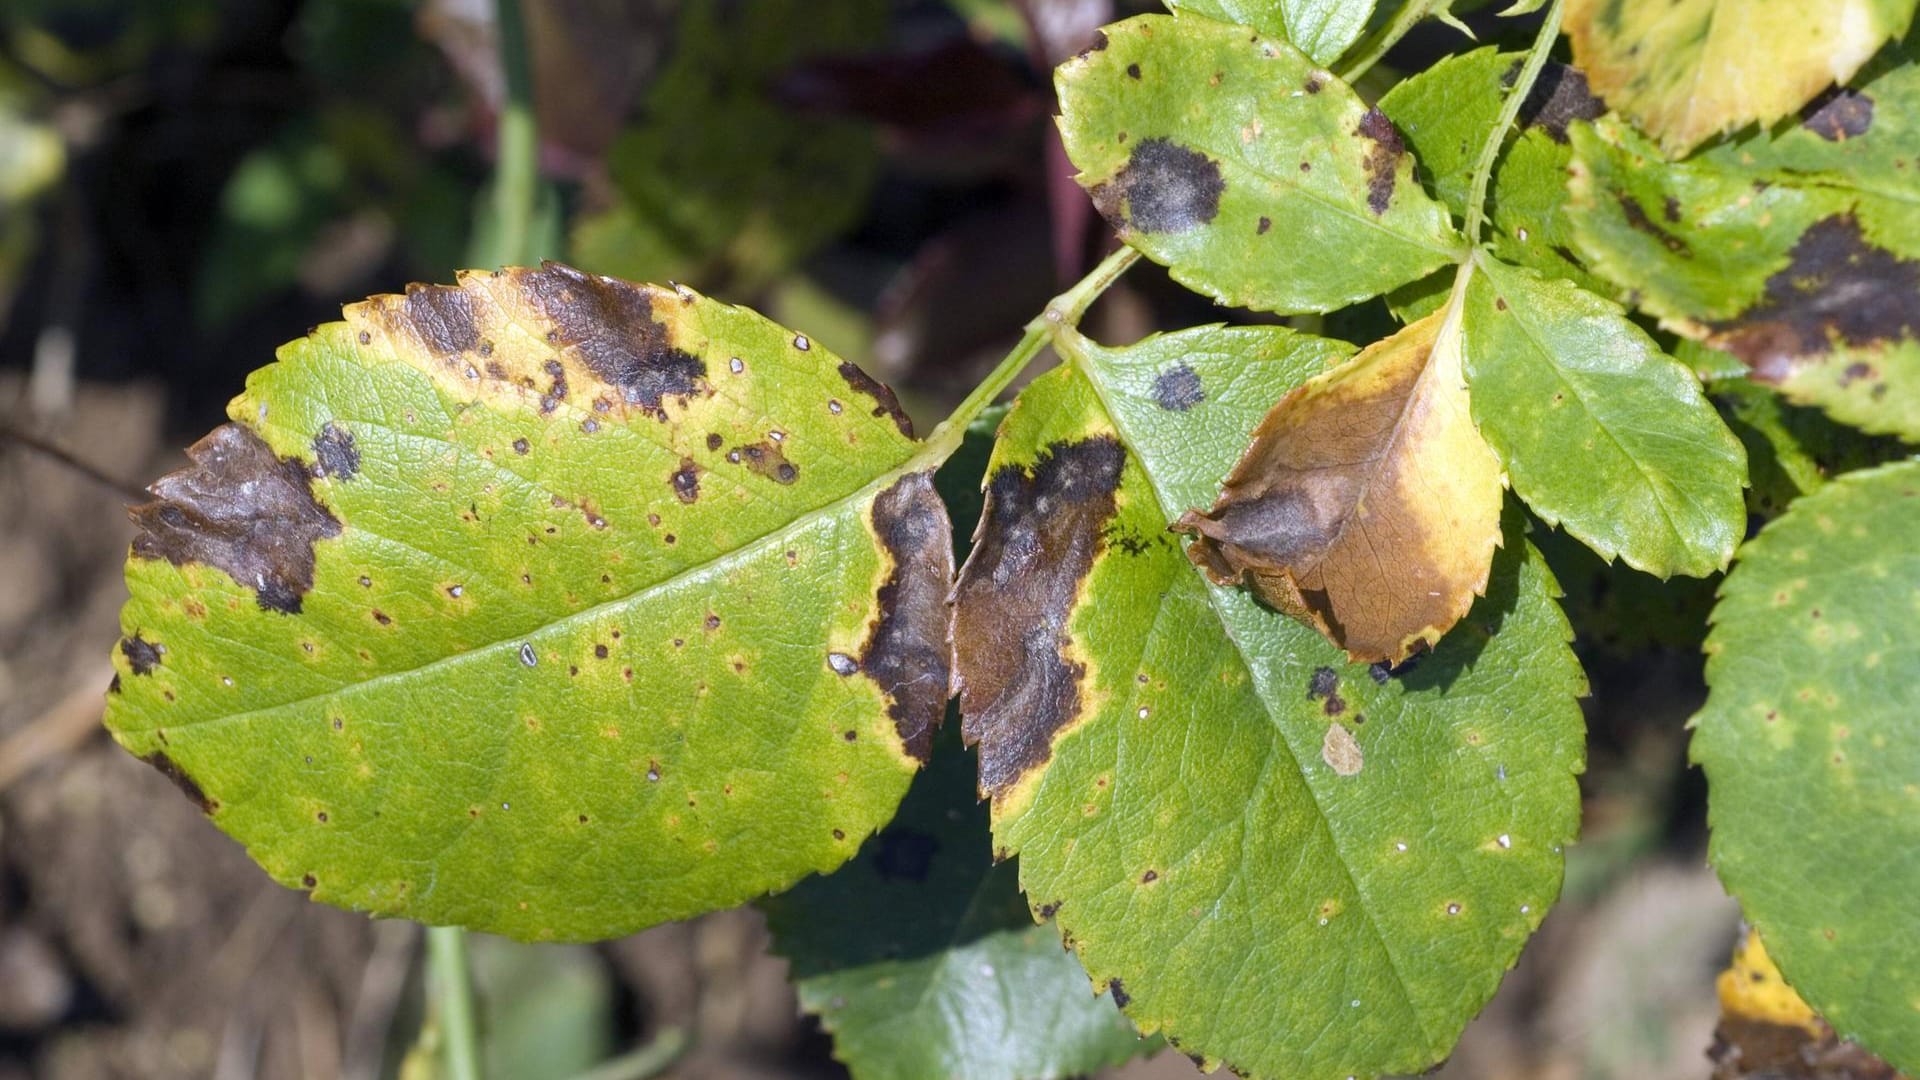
x=921, y=960
x=1811, y=278
x=1446, y=113
x=720, y=180
x=1321, y=29
x=1601, y=432
x=543, y=604
x=1811, y=753
x=1792, y=450
x=1687, y=70
x=1257, y=177
x=1299, y=865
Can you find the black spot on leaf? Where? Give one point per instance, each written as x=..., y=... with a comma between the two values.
x=906, y=651
x=334, y=451
x=1839, y=114
x=1039, y=536
x=142, y=655
x=1383, y=158
x=1638, y=220
x=1178, y=389
x=442, y=315
x=1560, y=97
x=1835, y=289
x=766, y=458
x=1163, y=188
x=1120, y=996
x=686, y=481
x=609, y=323
x=187, y=785
x=885, y=403
x=239, y=509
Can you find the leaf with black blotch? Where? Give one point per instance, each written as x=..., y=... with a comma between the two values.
x=1792, y=250
x=1253, y=174
x=1280, y=859
x=1367, y=505
x=545, y=604
x=1687, y=70
x=1767, y=1033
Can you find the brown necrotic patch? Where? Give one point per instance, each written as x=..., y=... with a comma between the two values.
x=1836, y=289
x=1638, y=220
x=1039, y=536
x=1382, y=160
x=766, y=458
x=1839, y=114
x=906, y=651
x=686, y=481
x=335, y=453
x=1560, y=97
x=609, y=324
x=1163, y=188
x=1178, y=389
x=240, y=509
x=884, y=401
x=142, y=655
x=442, y=317
x=187, y=785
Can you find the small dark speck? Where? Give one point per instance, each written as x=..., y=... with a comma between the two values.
x=1133, y=71
x=713, y=621
x=309, y=880
x=520, y=446
x=526, y=654
x=838, y=835
x=1265, y=224
x=714, y=440
x=600, y=651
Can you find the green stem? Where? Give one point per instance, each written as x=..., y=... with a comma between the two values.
x=1376, y=46
x=450, y=990
x=650, y=1060
x=516, y=178
x=1516, y=97
x=1065, y=311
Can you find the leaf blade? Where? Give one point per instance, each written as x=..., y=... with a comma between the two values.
x=581, y=510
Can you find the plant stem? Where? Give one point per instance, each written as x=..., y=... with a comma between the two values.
x=650, y=1060
x=131, y=493
x=1065, y=311
x=1516, y=97
x=1376, y=46
x=450, y=992
x=516, y=177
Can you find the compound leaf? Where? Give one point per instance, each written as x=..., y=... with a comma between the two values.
x=1297, y=864
x=1687, y=70
x=1600, y=431
x=1256, y=176
x=1811, y=753
x=1321, y=29
x=544, y=604
x=1368, y=504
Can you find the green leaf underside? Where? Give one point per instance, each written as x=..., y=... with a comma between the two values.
x=565, y=607
x=1686, y=70
x=1811, y=754
x=1321, y=29
x=1601, y=432
x=1301, y=866
x=1795, y=252
x=920, y=958
x=1258, y=178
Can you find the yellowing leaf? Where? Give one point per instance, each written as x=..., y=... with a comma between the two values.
x=1687, y=70
x=1767, y=1031
x=1367, y=505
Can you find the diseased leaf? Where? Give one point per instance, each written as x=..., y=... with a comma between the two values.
x=544, y=604
x=1792, y=450
x=1367, y=505
x=1811, y=753
x=1162, y=754
x=1687, y=70
x=1321, y=29
x=921, y=959
x=1601, y=432
x=1767, y=1033
x=1243, y=167
x=1811, y=278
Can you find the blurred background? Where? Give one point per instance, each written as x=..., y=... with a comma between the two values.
x=185, y=184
